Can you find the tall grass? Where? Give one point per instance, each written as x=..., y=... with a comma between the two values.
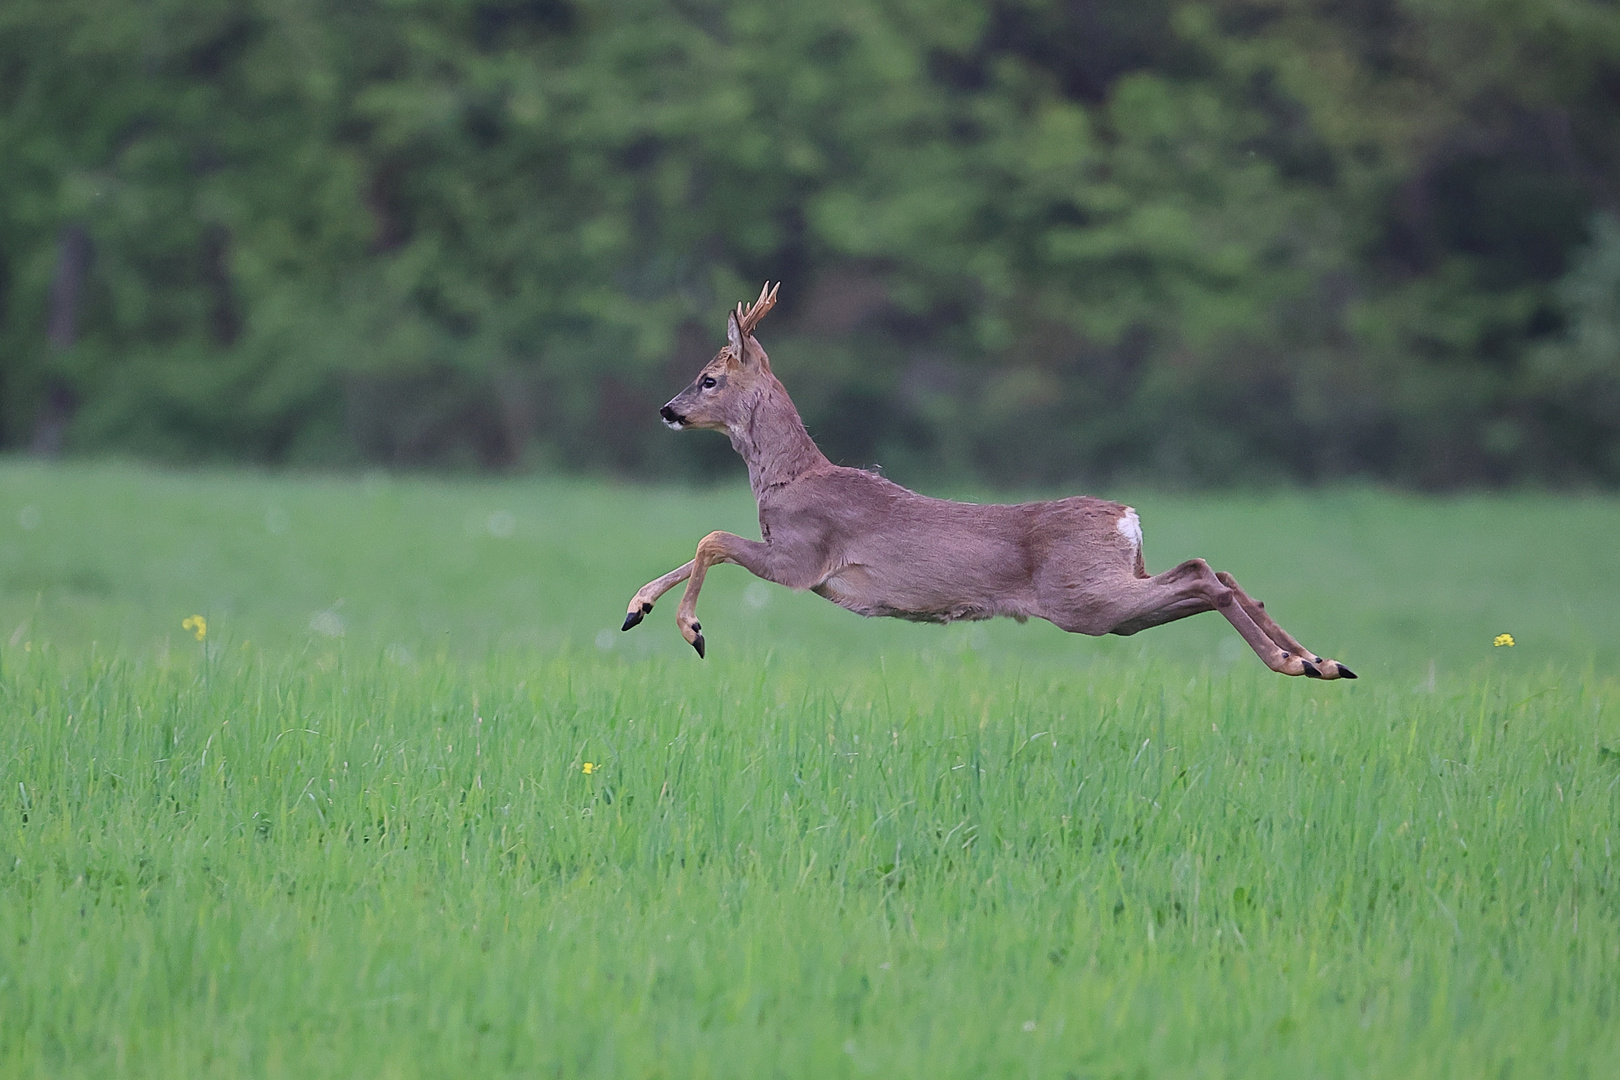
x=279, y=851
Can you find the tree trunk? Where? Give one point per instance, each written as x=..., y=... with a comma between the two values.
x=58, y=403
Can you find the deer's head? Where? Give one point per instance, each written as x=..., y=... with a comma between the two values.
x=725, y=390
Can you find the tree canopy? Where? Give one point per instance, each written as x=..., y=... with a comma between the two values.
x=1021, y=240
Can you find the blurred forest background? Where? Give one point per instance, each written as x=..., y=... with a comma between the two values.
x=1022, y=241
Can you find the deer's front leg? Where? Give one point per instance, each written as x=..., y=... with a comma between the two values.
x=717, y=547
x=648, y=594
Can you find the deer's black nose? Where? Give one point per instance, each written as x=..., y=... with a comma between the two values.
x=671, y=416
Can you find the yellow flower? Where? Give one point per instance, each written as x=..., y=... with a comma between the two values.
x=1503, y=639
x=587, y=768
x=198, y=624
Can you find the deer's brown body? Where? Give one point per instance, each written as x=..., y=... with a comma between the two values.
x=874, y=547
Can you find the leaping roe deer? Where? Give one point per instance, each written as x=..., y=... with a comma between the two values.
x=876, y=548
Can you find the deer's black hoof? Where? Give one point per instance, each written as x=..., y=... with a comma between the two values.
x=1311, y=670
x=635, y=617
x=1346, y=673
x=697, y=643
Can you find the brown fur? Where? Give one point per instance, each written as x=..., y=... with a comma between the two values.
x=876, y=548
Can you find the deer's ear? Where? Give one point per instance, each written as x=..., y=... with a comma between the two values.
x=734, y=337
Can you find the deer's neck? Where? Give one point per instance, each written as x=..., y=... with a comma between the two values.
x=773, y=441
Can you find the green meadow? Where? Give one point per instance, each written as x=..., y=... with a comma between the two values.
x=414, y=807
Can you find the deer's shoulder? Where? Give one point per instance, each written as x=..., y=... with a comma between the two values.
x=836, y=490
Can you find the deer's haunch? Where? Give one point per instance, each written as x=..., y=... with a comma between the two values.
x=878, y=549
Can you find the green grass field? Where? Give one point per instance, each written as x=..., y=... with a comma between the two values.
x=351, y=832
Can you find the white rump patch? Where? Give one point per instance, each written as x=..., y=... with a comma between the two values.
x=1130, y=527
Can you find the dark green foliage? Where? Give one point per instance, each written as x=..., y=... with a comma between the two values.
x=1024, y=240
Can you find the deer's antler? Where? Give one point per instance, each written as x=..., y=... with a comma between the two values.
x=749, y=318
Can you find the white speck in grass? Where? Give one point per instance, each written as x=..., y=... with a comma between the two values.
x=1029, y=1025
x=276, y=521
x=400, y=654
x=29, y=517
x=757, y=595
x=327, y=623
x=849, y=1047
x=605, y=640
x=501, y=524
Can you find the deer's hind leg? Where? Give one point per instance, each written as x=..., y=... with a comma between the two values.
x=1330, y=669
x=1127, y=605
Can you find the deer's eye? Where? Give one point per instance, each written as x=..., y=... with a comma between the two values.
x=708, y=382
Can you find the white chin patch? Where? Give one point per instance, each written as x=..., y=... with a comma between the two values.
x=674, y=425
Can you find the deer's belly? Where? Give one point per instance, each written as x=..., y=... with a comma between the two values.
x=918, y=598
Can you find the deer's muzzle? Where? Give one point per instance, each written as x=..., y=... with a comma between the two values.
x=674, y=419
